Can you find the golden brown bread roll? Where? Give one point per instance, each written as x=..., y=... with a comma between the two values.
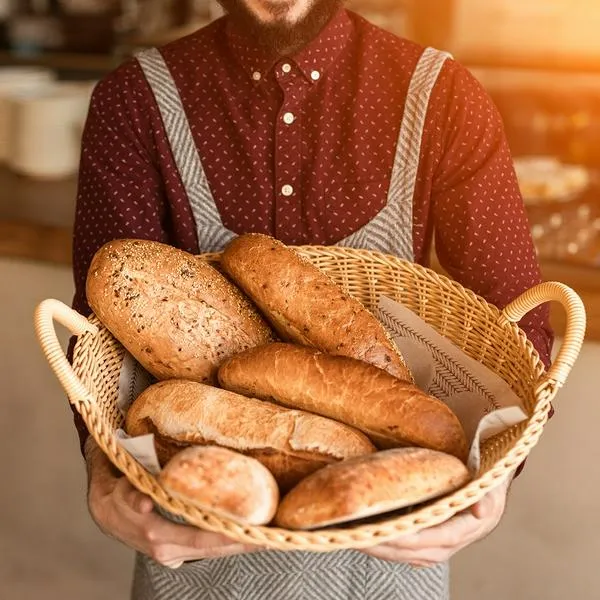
x=370, y=485
x=223, y=482
x=305, y=306
x=390, y=411
x=177, y=315
x=290, y=443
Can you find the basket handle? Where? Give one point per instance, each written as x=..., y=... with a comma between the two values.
x=575, y=324
x=46, y=313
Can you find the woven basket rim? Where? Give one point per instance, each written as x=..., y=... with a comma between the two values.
x=364, y=535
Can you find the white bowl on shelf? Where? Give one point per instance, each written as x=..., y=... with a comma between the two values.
x=46, y=130
x=18, y=80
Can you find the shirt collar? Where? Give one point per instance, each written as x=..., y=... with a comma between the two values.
x=317, y=57
x=322, y=52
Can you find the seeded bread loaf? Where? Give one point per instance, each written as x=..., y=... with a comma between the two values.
x=177, y=315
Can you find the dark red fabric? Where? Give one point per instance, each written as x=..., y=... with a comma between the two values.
x=346, y=93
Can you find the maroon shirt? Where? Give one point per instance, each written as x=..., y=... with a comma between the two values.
x=323, y=123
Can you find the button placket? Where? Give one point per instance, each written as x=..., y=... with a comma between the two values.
x=288, y=153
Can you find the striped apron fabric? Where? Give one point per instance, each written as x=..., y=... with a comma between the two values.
x=274, y=575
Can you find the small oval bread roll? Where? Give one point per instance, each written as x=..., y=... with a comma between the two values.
x=305, y=306
x=228, y=484
x=390, y=411
x=370, y=485
x=177, y=315
x=290, y=443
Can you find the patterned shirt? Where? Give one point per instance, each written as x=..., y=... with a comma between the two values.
x=302, y=148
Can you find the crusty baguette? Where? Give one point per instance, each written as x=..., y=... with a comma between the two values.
x=290, y=443
x=177, y=315
x=390, y=411
x=223, y=482
x=305, y=306
x=370, y=485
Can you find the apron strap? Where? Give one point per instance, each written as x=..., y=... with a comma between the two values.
x=212, y=234
x=391, y=230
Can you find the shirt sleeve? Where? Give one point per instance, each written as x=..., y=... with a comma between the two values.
x=482, y=233
x=120, y=191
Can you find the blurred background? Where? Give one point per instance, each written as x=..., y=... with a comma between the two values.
x=539, y=59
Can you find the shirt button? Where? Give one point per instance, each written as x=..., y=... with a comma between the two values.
x=288, y=118
x=287, y=190
x=315, y=75
x=286, y=67
x=256, y=76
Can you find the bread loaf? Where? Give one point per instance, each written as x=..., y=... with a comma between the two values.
x=306, y=306
x=390, y=411
x=177, y=315
x=290, y=443
x=223, y=482
x=370, y=485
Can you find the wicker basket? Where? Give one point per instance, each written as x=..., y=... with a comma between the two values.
x=481, y=330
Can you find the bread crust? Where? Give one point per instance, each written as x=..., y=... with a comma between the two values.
x=391, y=412
x=290, y=443
x=305, y=306
x=226, y=483
x=370, y=485
x=177, y=315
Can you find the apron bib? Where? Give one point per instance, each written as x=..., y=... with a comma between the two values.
x=275, y=575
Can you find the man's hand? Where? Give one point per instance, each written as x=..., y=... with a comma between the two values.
x=126, y=514
x=438, y=544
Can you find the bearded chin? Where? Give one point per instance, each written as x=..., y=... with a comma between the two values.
x=281, y=37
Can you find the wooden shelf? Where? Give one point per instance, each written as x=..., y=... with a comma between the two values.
x=44, y=203
x=44, y=243
x=96, y=63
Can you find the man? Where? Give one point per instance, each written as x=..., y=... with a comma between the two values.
x=299, y=119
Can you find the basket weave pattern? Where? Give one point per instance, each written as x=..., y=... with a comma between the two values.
x=483, y=332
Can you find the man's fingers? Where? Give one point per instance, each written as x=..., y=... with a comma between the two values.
x=138, y=502
x=422, y=564
x=214, y=552
x=440, y=543
x=494, y=502
x=173, y=556
x=164, y=532
x=482, y=509
x=142, y=504
x=209, y=540
x=425, y=557
x=171, y=544
x=490, y=503
x=455, y=532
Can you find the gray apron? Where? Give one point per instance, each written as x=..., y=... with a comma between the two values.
x=274, y=575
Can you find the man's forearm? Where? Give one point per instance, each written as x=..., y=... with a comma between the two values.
x=101, y=472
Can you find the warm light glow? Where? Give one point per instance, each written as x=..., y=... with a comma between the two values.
x=552, y=30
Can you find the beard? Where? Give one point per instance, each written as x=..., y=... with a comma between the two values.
x=280, y=36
